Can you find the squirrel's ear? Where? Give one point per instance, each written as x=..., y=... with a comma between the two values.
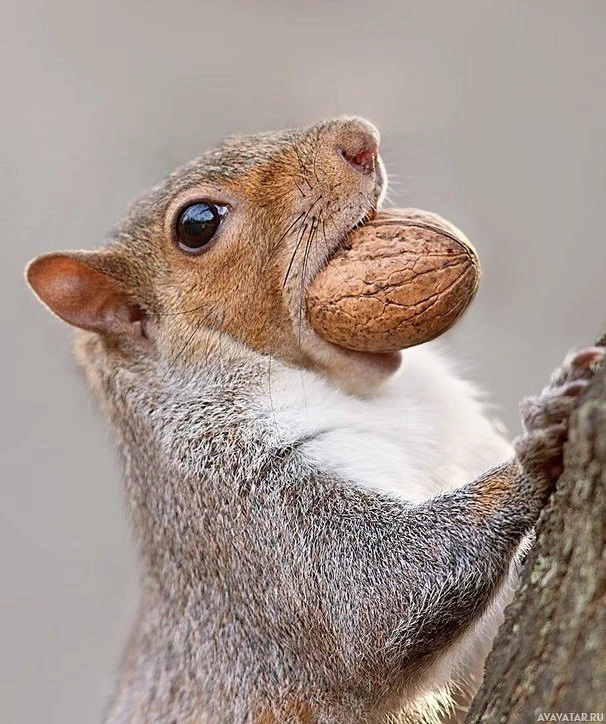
x=75, y=287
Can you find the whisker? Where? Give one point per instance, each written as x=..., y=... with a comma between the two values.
x=181, y=311
x=281, y=239
x=303, y=170
x=294, y=254
x=315, y=156
x=310, y=237
x=187, y=342
x=179, y=354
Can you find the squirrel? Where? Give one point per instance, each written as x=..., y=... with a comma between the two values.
x=325, y=535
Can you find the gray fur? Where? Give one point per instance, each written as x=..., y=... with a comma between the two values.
x=273, y=589
x=267, y=581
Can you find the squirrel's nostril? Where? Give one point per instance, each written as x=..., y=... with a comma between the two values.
x=364, y=159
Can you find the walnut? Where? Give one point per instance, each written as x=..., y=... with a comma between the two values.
x=400, y=280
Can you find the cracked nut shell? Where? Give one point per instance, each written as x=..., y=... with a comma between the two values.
x=400, y=280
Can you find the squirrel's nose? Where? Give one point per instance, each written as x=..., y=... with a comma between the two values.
x=358, y=143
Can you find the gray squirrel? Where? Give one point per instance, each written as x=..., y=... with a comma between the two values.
x=325, y=535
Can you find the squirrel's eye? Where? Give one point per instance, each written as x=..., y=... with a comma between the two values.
x=197, y=224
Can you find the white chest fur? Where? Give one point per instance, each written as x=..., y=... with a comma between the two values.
x=422, y=432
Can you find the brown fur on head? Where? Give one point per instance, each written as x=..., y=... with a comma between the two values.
x=291, y=199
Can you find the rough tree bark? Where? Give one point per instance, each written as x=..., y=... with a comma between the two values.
x=550, y=653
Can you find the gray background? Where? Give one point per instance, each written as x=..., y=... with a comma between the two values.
x=492, y=113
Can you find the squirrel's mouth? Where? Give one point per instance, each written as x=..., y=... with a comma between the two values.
x=382, y=364
x=370, y=367
x=343, y=240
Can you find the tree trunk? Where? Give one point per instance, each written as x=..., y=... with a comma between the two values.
x=550, y=654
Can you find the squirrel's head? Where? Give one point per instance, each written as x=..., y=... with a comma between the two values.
x=217, y=259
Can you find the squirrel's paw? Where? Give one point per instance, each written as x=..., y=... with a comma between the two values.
x=546, y=417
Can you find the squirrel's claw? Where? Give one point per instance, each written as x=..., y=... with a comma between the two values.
x=546, y=417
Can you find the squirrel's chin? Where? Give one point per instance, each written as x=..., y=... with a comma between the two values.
x=361, y=372
x=384, y=363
